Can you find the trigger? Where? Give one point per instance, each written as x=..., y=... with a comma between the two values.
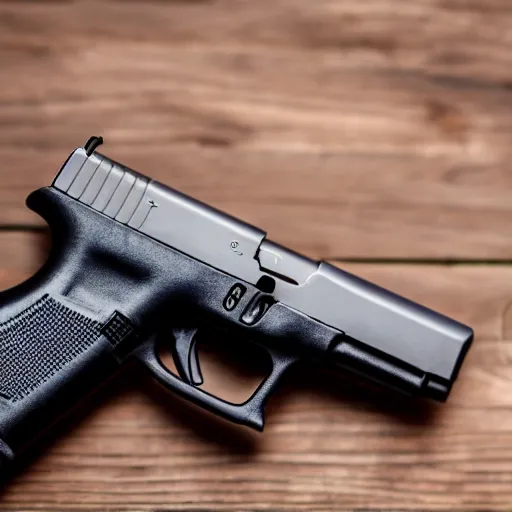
x=185, y=356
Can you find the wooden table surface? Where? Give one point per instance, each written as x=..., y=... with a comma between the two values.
x=376, y=134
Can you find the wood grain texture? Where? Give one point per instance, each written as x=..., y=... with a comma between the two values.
x=329, y=444
x=347, y=129
x=380, y=129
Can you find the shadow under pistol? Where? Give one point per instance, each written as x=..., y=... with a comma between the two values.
x=134, y=262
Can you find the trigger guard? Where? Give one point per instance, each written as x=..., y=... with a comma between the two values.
x=249, y=413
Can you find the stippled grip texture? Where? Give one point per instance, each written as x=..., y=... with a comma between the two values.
x=38, y=343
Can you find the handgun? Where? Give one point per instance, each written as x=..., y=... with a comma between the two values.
x=135, y=264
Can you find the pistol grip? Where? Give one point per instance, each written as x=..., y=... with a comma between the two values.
x=52, y=351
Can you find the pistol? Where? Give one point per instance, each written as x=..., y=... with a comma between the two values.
x=135, y=264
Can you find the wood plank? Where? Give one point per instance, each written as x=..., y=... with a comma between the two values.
x=329, y=444
x=21, y=256
x=348, y=210
x=346, y=129
x=455, y=37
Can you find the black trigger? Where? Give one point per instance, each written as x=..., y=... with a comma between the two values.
x=186, y=356
x=193, y=362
